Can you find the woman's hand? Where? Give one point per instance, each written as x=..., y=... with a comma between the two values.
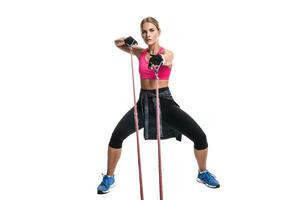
x=130, y=41
x=129, y=45
x=120, y=42
x=155, y=60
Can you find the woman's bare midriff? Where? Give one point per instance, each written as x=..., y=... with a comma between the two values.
x=149, y=84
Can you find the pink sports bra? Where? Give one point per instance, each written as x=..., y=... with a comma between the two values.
x=145, y=73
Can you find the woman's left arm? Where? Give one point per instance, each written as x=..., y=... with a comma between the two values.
x=168, y=57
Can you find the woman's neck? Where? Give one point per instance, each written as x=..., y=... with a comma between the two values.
x=154, y=48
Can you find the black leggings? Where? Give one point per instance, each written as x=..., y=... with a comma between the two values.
x=172, y=115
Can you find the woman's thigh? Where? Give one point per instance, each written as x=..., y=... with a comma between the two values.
x=124, y=128
x=180, y=120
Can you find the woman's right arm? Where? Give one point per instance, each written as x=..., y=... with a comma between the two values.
x=120, y=43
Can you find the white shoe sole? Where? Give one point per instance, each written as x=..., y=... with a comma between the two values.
x=105, y=192
x=210, y=186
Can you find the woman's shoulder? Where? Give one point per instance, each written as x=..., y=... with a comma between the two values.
x=166, y=51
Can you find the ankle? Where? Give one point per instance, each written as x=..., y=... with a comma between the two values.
x=202, y=170
x=110, y=174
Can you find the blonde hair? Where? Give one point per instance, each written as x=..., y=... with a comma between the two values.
x=150, y=20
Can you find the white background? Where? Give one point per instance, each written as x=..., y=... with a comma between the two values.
x=64, y=86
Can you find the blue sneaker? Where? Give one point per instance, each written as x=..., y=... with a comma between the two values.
x=208, y=179
x=107, y=183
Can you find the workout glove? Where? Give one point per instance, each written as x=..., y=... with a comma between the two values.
x=155, y=60
x=129, y=41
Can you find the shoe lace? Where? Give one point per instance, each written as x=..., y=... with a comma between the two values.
x=105, y=181
x=209, y=176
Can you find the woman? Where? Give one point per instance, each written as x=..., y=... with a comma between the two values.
x=174, y=120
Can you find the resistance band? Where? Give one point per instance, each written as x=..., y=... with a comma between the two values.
x=136, y=122
x=156, y=69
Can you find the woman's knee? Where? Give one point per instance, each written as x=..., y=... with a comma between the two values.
x=200, y=146
x=200, y=142
x=116, y=142
x=118, y=136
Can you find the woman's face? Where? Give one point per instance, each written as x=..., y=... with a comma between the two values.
x=150, y=33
